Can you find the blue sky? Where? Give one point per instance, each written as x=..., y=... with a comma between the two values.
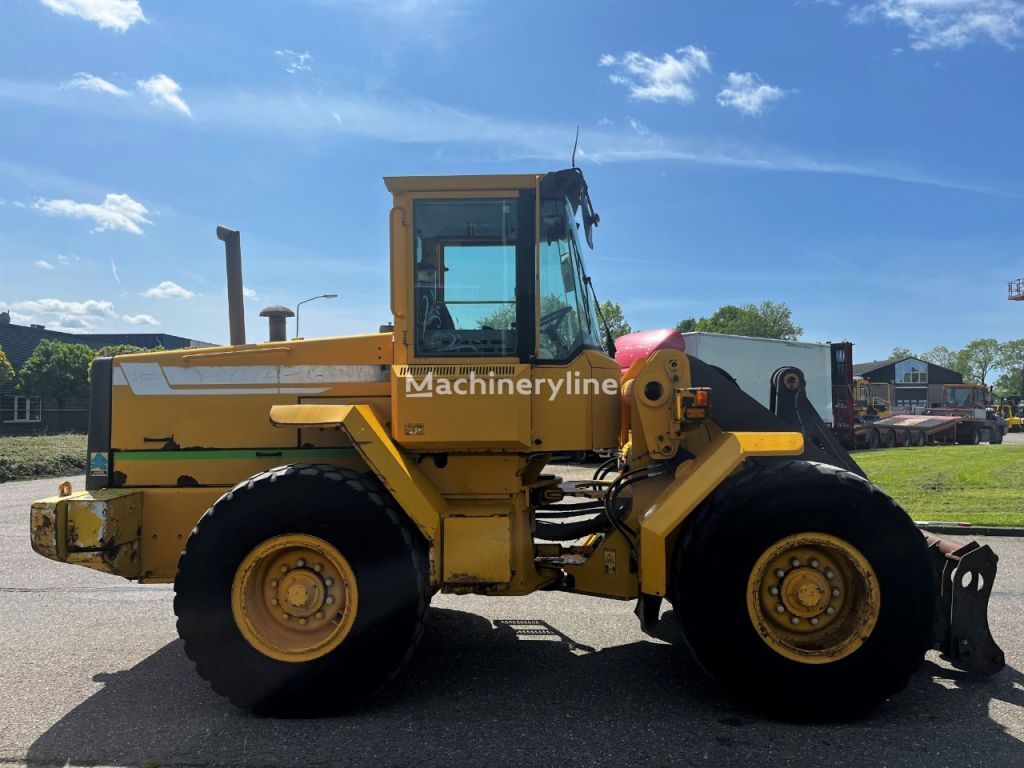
x=860, y=161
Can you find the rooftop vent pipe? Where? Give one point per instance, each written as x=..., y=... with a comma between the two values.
x=233, y=258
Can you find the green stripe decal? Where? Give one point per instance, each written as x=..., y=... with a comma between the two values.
x=218, y=455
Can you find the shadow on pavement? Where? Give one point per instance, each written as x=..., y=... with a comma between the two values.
x=514, y=691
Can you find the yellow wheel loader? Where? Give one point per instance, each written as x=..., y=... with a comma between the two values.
x=308, y=497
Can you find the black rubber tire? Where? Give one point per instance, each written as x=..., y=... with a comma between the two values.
x=723, y=540
x=995, y=437
x=890, y=439
x=1015, y=428
x=874, y=440
x=388, y=557
x=920, y=439
x=970, y=437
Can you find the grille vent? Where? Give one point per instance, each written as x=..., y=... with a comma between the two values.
x=420, y=371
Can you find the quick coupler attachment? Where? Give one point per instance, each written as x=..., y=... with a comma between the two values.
x=966, y=574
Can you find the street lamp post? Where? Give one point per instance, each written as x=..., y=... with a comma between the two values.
x=312, y=298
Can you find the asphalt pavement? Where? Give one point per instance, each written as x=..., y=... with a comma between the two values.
x=92, y=673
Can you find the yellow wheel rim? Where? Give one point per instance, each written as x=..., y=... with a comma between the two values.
x=813, y=598
x=294, y=598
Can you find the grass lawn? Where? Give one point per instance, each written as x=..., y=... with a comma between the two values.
x=33, y=456
x=981, y=484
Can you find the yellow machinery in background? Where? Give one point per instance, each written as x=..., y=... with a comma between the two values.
x=1012, y=410
x=873, y=399
x=307, y=498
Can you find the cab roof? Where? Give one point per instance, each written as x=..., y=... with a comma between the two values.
x=468, y=183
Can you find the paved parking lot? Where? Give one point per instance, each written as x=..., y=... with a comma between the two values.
x=92, y=672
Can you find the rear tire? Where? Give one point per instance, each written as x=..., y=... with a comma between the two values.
x=995, y=436
x=890, y=439
x=873, y=440
x=919, y=439
x=970, y=437
x=354, y=516
x=730, y=534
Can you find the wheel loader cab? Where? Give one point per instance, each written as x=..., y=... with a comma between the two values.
x=492, y=305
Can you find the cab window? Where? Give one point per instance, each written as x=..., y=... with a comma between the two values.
x=568, y=320
x=465, y=277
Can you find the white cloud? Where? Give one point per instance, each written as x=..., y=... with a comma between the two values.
x=299, y=114
x=952, y=24
x=116, y=212
x=249, y=293
x=664, y=79
x=113, y=270
x=43, y=264
x=65, y=260
x=638, y=128
x=294, y=62
x=140, y=320
x=108, y=14
x=83, y=81
x=168, y=290
x=163, y=90
x=87, y=308
x=745, y=92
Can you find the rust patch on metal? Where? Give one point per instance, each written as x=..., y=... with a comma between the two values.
x=43, y=529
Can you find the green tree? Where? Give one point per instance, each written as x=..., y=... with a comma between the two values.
x=899, y=353
x=767, y=320
x=612, y=314
x=6, y=369
x=123, y=349
x=56, y=370
x=978, y=359
x=1011, y=360
x=943, y=356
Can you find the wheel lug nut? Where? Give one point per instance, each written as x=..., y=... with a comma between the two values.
x=780, y=609
x=300, y=563
x=319, y=614
x=329, y=599
x=814, y=563
x=830, y=574
x=329, y=582
x=795, y=563
x=318, y=567
x=830, y=610
x=835, y=591
x=795, y=619
x=774, y=590
x=284, y=615
x=302, y=621
x=284, y=569
x=273, y=601
x=780, y=573
x=273, y=582
x=814, y=621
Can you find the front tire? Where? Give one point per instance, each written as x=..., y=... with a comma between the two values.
x=301, y=591
x=828, y=664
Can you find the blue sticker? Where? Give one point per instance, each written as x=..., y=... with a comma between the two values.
x=98, y=463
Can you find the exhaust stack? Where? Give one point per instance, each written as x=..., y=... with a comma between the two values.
x=233, y=259
x=278, y=318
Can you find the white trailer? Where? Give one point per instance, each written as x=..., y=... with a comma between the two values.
x=752, y=361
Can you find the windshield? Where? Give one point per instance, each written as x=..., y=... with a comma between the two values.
x=568, y=319
x=958, y=396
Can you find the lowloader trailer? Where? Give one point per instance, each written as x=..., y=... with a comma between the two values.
x=308, y=497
